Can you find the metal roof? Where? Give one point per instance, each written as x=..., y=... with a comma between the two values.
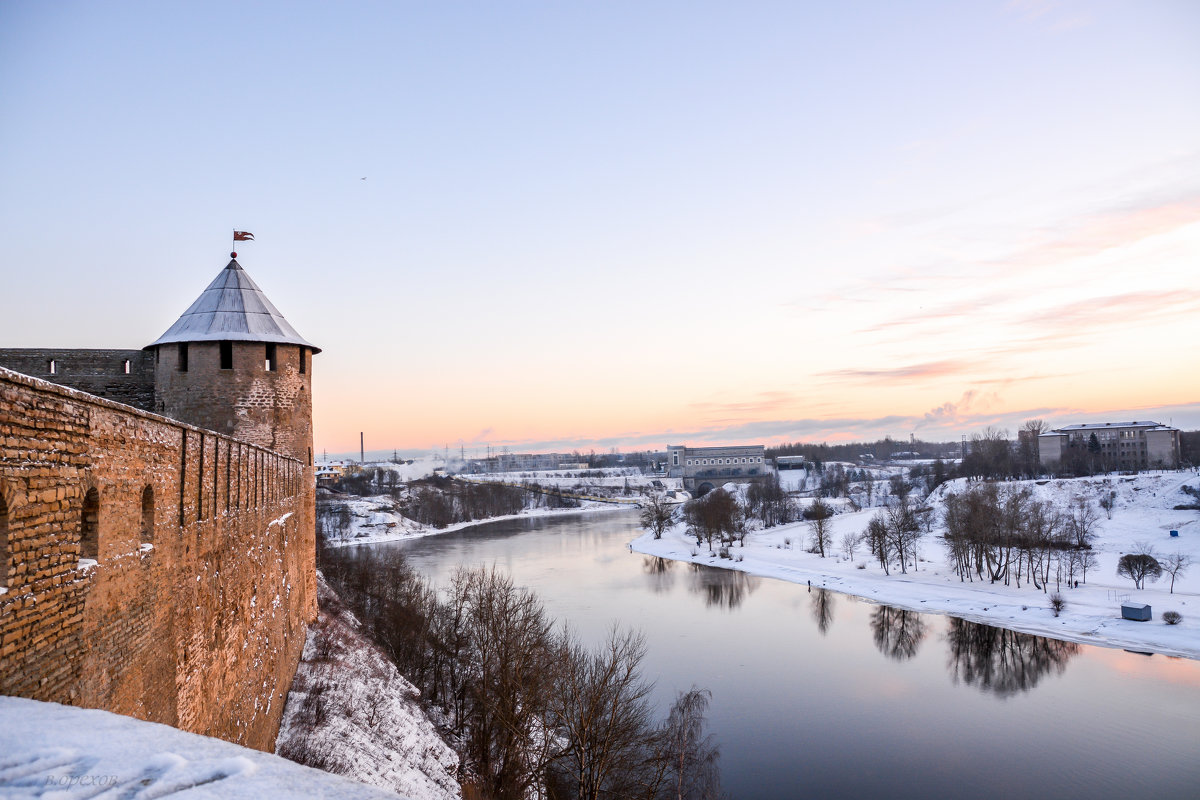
x=232, y=308
x=1100, y=426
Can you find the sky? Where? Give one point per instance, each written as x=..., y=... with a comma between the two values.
x=557, y=226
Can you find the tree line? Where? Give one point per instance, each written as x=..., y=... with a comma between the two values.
x=1003, y=534
x=532, y=710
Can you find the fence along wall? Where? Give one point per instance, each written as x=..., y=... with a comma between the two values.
x=150, y=568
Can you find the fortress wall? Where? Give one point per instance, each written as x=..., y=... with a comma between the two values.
x=126, y=376
x=194, y=613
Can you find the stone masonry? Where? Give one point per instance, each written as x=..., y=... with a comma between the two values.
x=126, y=376
x=192, y=609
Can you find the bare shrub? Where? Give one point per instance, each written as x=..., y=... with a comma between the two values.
x=1172, y=617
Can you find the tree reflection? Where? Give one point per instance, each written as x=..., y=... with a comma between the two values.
x=898, y=633
x=658, y=569
x=822, y=609
x=725, y=588
x=1001, y=661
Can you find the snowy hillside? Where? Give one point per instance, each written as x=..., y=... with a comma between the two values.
x=350, y=712
x=1143, y=511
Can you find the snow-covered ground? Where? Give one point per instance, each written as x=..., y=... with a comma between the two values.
x=608, y=477
x=1143, y=512
x=351, y=712
x=49, y=750
x=376, y=519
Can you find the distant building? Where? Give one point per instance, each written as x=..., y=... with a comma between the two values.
x=1120, y=445
x=790, y=462
x=705, y=468
x=328, y=472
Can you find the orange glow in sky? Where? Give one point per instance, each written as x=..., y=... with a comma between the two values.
x=619, y=225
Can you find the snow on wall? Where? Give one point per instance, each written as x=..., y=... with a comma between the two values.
x=55, y=751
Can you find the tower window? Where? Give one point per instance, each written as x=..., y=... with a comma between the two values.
x=271, y=363
x=4, y=557
x=126, y=365
x=183, y=357
x=53, y=367
x=226, y=355
x=89, y=528
x=148, y=515
x=303, y=360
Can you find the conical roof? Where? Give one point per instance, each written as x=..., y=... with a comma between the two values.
x=232, y=308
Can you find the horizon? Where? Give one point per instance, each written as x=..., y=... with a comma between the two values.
x=549, y=228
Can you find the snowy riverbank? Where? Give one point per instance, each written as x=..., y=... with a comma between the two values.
x=1143, y=512
x=376, y=519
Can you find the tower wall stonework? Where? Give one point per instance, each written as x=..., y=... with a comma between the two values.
x=272, y=409
x=197, y=620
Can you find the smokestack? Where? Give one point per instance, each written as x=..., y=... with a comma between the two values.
x=362, y=453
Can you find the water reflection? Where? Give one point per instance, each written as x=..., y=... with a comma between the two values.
x=898, y=633
x=723, y=588
x=822, y=608
x=1001, y=661
x=659, y=570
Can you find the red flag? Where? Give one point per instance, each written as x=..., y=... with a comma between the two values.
x=243, y=236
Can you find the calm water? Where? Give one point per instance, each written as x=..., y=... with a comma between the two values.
x=817, y=694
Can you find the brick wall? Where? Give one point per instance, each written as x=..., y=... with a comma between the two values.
x=270, y=408
x=99, y=372
x=194, y=612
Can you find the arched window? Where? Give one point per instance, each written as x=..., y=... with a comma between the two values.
x=148, y=515
x=89, y=528
x=4, y=554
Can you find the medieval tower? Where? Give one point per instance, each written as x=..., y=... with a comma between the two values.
x=157, y=531
x=233, y=364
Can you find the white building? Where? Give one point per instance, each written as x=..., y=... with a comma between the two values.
x=1122, y=445
x=705, y=468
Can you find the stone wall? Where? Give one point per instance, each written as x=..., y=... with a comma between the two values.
x=268, y=407
x=126, y=376
x=193, y=611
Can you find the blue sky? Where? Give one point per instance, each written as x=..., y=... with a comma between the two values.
x=628, y=224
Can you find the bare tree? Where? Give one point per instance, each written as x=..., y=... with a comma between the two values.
x=513, y=663
x=820, y=528
x=1027, y=445
x=688, y=754
x=1108, y=502
x=851, y=540
x=877, y=539
x=903, y=530
x=717, y=515
x=1087, y=560
x=1175, y=565
x=602, y=711
x=1082, y=522
x=658, y=515
x=1140, y=565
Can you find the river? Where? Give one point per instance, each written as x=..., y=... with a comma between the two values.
x=816, y=694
